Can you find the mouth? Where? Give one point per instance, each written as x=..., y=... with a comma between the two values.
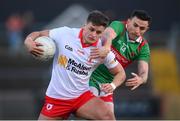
x=134, y=36
x=91, y=39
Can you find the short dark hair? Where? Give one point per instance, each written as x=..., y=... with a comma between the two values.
x=98, y=18
x=141, y=14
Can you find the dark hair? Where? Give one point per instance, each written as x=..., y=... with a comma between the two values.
x=141, y=14
x=98, y=18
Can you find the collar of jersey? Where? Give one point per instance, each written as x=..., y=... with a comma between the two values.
x=82, y=43
x=139, y=39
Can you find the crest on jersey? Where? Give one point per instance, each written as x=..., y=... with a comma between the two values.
x=124, y=47
x=62, y=60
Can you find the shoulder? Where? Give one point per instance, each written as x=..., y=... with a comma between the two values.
x=117, y=23
x=118, y=26
x=144, y=41
x=63, y=31
x=143, y=45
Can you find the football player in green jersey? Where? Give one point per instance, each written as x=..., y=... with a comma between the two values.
x=125, y=39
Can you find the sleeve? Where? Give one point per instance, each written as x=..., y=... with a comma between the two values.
x=110, y=61
x=144, y=53
x=117, y=26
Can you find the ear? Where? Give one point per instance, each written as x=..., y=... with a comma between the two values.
x=128, y=20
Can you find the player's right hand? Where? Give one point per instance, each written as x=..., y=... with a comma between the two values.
x=134, y=82
x=107, y=88
x=33, y=47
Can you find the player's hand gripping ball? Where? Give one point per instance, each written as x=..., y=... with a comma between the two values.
x=48, y=46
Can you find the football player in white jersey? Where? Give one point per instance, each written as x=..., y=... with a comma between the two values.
x=68, y=91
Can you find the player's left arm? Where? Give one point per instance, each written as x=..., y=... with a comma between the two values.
x=119, y=78
x=143, y=68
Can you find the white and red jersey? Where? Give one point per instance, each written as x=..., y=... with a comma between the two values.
x=71, y=65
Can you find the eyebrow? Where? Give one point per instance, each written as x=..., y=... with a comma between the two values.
x=99, y=31
x=139, y=25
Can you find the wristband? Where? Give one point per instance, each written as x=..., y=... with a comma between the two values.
x=113, y=85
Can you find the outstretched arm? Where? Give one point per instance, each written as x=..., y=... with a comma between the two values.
x=139, y=78
x=31, y=45
x=108, y=35
x=119, y=78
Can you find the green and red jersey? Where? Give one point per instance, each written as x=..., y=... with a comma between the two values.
x=125, y=50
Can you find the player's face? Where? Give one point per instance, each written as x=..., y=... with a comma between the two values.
x=91, y=33
x=136, y=27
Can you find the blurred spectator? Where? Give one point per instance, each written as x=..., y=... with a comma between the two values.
x=14, y=28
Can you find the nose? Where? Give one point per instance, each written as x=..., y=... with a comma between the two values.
x=93, y=33
x=137, y=31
